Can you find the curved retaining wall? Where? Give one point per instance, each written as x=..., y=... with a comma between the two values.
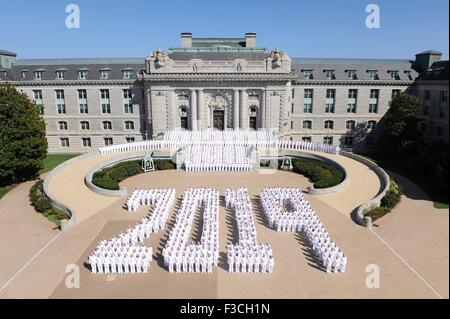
x=111, y=162
x=366, y=221
x=311, y=189
x=65, y=224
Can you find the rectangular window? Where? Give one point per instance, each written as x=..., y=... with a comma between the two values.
x=82, y=102
x=108, y=141
x=306, y=138
x=86, y=142
x=331, y=93
x=37, y=95
x=308, y=94
x=104, y=94
x=427, y=95
x=62, y=126
x=352, y=93
x=329, y=124
x=444, y=96
x=351, y=108
x=130, y=139
x=307, y=125
x=106, y=108
x=307, y=108
x=64, y=142
x=374, y=94
x=373, y=108
x=60, y=102
x=329, y=108
x=328, y=140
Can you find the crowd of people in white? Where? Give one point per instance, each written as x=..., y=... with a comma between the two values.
x=249, y=138
x=196, y=257
x=287, y=210
x=126, y=252
x=247, y=255
x=206, y=158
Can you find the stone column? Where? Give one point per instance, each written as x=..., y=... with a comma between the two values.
x=149, y=122
x=243, y=119
x=236, y=109
x=193, y=110
x=173, y=121
x=262, y=108
x=201, y=111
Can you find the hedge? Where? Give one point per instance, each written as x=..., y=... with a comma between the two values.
x=322, y=175
x=110, y=177
x=42, y=204
x=388, y=202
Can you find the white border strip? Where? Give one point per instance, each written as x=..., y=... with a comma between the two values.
x=30, y=261
x=404, y=261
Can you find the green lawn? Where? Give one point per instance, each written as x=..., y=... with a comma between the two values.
x=4, y=190
x=53, y=160
x=440, y=205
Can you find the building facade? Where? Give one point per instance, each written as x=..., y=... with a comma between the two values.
x=211, y=83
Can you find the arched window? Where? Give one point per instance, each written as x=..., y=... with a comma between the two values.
x=329, y=124
x=129, y=125
x=307, y=125
x=371, y=125
x=84, y=125
x=350, y=125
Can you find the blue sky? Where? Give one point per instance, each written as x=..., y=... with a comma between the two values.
x=133, y=28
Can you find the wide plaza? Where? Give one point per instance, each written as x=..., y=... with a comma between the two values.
x=408, y=246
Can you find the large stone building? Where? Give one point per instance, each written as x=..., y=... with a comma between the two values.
x=211, y=83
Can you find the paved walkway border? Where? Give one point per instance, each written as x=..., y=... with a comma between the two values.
x=65, y=224
x=363, y=220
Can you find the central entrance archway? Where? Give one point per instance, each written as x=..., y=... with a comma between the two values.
x=219, y=120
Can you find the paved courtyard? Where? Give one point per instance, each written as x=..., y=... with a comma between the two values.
x=405, y=272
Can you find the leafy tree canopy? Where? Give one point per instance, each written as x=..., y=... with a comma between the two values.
x=23, y=144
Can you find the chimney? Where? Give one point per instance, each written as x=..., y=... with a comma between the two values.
x=250, y=40
x=186, y=40
x=425, y=59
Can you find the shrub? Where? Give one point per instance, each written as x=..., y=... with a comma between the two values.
x=106, y=183
x=322, y=175
x=110, y=177
x=377, y=212
x=392, y=196
x=42, y=204
x=163, y=164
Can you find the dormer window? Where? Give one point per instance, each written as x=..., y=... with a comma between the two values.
x=394, y=75
x=104, y=74
x=60, y=75
x=24, y=75
x=408, y=74
x=329, y=74
x=38, y=75
x=2, y=75
x=373, y=74
x=127, y=74
x=308, y=74
x=352, y=75
x=82, y=75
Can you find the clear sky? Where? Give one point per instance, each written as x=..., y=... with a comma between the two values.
x=314, y=28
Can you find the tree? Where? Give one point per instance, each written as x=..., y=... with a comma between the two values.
x=400, y=122
x=23, y=145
